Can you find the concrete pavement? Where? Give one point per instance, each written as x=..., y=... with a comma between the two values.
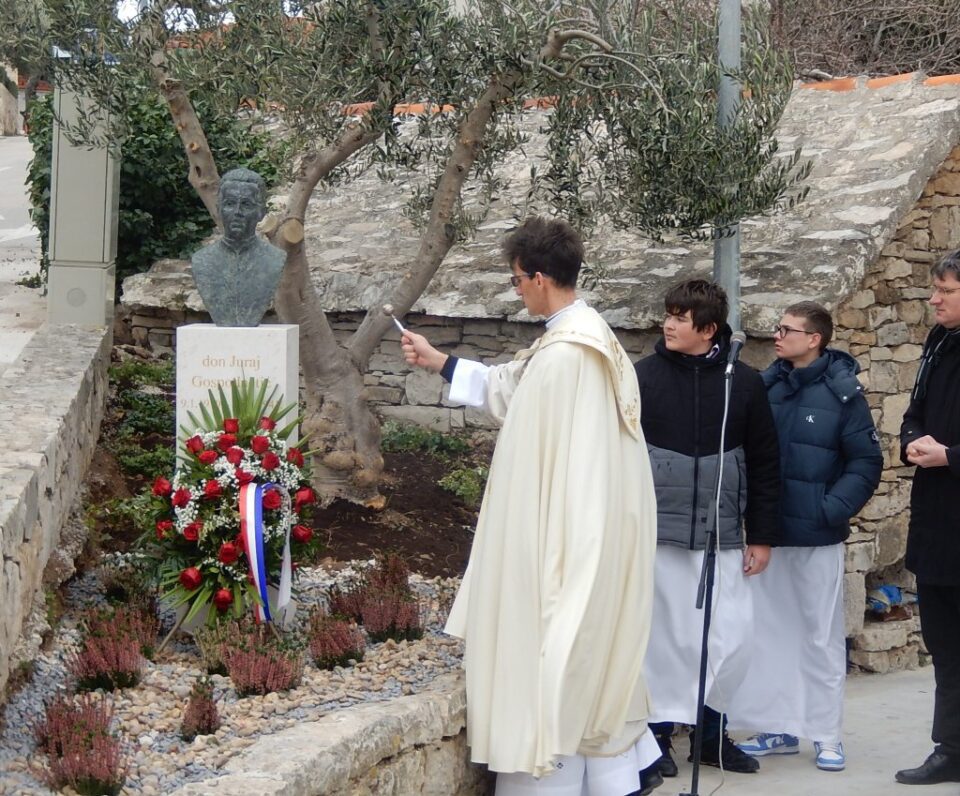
x=886, y=727
x=22, y=309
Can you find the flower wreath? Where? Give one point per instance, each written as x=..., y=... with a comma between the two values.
x=236, y=470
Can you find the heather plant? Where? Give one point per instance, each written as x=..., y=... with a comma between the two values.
x=346, y=602
x=391, y=614
x=201, y=716
x=81, y=752
x=263, y=661
x=111, y=649
x=389, y=572
x=334, y=641
x=211, y=640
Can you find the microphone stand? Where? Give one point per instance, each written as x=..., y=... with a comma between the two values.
x=705, y=588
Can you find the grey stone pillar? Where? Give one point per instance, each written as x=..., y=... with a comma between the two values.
x=84, y=208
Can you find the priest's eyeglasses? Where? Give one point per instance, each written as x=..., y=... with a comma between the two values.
x=783, y=331
x=515, y=279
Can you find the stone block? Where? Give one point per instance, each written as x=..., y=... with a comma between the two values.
x=912, y=312
x=859, y=556
x=384, y=395
x=892, y=540
x=945, y=228
x=210, y=356
x=907, y=352
x=863, y=338
x=879, y=507
x=435, y=418
x=474, y=418
x=893, y=408
x=897, y=269
x=883, y=377
x=423, y=388
x=947, y=184
x=881, y=314
x=861, y=300
x=851, y=318
x=882, y=636
x=854, y=602
x=893, y=334
x=878, y=354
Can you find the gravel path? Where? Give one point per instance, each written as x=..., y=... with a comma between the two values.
x=148, y=716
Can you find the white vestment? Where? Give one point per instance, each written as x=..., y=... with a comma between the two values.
x=796, y=676
x=673, y=659
x=555, y=603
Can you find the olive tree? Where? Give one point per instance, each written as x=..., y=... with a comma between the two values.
x=632, y=134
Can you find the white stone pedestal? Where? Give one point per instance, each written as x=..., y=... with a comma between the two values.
x=210, y=355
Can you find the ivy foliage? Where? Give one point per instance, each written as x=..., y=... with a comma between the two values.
x=160, y=214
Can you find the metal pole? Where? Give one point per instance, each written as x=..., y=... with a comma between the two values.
x=726, y=247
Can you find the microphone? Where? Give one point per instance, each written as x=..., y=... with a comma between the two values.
x=737, y=339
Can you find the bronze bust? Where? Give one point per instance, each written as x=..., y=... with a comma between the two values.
x=238, y=274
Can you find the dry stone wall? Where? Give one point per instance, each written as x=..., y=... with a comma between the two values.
x=53, y=398
x=884, y=325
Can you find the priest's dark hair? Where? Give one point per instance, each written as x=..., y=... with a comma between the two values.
x=549, y=246
x=816, y=318
x=706, y=302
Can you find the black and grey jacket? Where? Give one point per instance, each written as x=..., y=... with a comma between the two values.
x=681, y=409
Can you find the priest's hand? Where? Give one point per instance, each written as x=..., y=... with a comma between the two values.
x=755, y=558
x=419, y=353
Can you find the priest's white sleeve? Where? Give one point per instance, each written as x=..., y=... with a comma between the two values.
x=468, y=385
x=486, y=387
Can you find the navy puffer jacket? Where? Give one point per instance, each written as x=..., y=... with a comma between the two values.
x=830, y=459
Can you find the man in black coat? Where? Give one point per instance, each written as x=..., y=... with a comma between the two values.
x=681, y=412
x=930, y=439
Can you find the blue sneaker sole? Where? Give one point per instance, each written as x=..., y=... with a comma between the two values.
x=783, y=750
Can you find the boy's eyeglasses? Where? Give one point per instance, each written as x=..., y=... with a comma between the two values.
x=783, y=331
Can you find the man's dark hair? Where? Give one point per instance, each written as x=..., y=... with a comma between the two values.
x=948, y=264
x=548, y=246
x=706, y=301
x=815, y=318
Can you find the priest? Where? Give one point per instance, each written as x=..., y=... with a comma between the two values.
x=555, y=603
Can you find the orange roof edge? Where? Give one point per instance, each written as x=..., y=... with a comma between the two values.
x=889, y=80
x=942, y=80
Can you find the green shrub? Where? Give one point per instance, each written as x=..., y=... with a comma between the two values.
x=160, y=213
x=146, y=413
x=137, y=373
x=136, y=461
x=467, y=483
x=408, y=438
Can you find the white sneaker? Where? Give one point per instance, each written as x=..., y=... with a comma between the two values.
x=830, y=756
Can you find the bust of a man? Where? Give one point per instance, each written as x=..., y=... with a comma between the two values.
x=238, y=274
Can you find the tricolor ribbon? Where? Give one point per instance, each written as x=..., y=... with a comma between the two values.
x=252, y=531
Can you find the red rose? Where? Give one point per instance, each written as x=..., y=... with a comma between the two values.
x=161, y=486
x=194, y=445
x=190, y=578
x=235, y=456
x=181, y=497
x=163, y=528
x=301, y=533
x=267, y=424
x=212, y=489
x=295, y=457
x=228, y=553
x=243, y=477
x=223, y=599
x=260, y=444
x=208, y=457
x=303, y=497
x=231, y=425
x=270, y=461
x=272, y=499
x=226, y=441
x=192, y=531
